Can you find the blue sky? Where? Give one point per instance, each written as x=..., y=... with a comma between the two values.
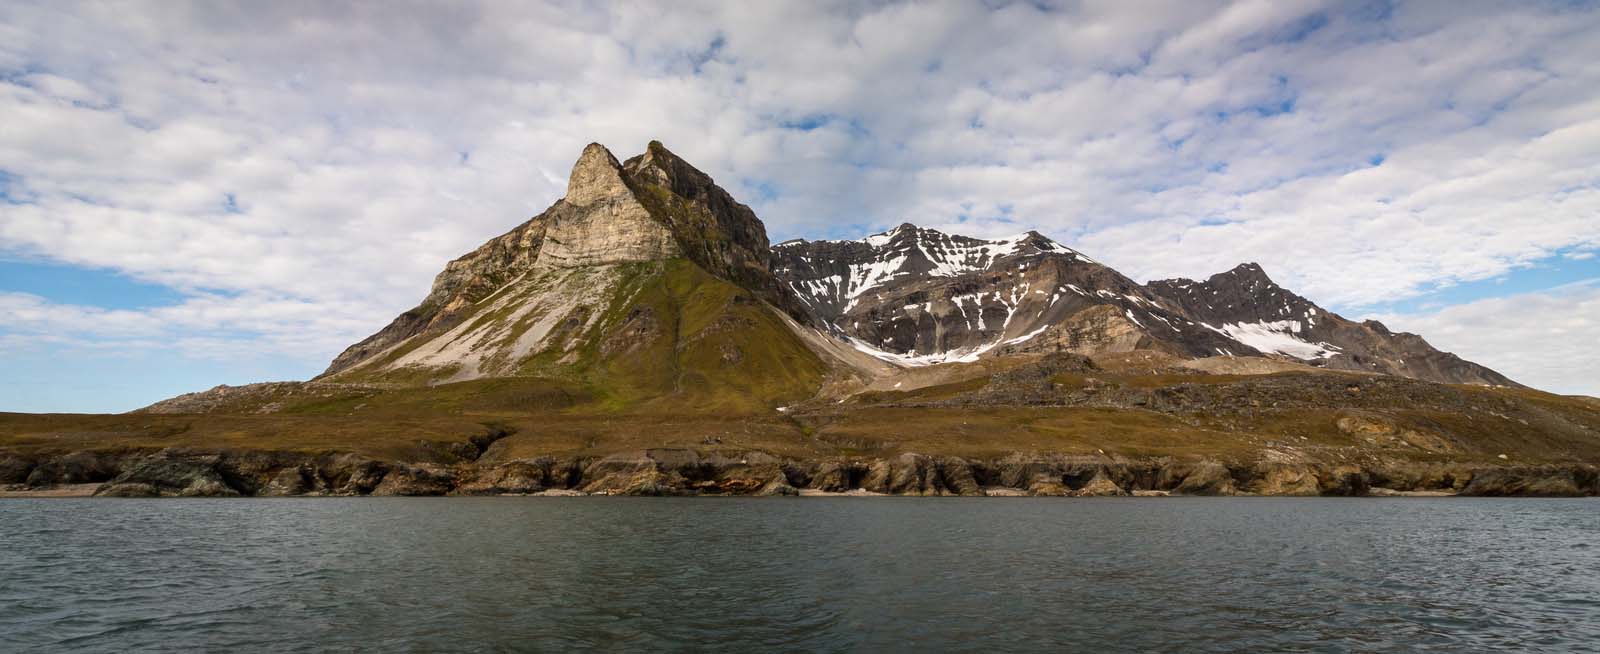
x=195, y=194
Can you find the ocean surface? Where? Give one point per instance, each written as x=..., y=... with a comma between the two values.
x=814, y=574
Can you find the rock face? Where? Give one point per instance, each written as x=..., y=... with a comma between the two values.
x=561, y=269
x=659, y=472
x=600, y=221
x=614, y=268
x=916, y=296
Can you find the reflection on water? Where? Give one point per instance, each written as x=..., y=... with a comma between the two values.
x=441, y=574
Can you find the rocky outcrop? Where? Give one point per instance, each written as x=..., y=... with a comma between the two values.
x=14, y=468
x=718, y=233
x=1535, y=481
x=601, y=220
x=76, y=468
x=416, y=479
x=185, y=473
x=170, y=473
x=513, y=478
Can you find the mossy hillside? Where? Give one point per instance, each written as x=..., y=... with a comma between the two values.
x=679, y=340
x=671, y=338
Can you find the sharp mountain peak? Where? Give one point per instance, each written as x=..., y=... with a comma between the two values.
x=553, y=287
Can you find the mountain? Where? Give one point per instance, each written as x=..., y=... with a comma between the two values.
x=646, y=279
x=1250, y=308
x=640, y=336
x=916, y=296
x=648, y=265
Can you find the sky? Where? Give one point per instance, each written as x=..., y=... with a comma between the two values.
x=209, y=193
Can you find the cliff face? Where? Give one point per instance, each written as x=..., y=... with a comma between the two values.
x=470, y=470
x=551, y=292
x=601, y=220
x=712, y=229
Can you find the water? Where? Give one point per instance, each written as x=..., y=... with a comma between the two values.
x=747, y=574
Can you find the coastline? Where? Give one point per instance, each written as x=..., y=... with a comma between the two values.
x=175, y=472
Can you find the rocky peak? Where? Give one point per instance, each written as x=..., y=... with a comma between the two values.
x=1242, y=295
x=711, y=228
x=595, y=176
x=601, y=220
x=1244, y=275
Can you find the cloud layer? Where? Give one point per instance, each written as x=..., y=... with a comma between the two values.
x=301, y=170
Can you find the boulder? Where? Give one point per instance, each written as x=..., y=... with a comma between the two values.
x=1202, y=478
x=1100, y=486
x=777, y=486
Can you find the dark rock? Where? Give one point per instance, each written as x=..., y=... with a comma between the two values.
x=1544, y=481
x=76, y=468
x=14, y=468
x=349, y=474
x=837, y=476
x=178, y=473
x=416, y=480
x=289, y=481
x=907, y=474
x=958, y=477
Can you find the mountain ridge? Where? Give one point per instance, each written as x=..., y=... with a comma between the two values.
x=642, y=337
x=908, y=296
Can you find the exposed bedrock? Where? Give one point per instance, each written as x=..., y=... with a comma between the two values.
x=187, y=473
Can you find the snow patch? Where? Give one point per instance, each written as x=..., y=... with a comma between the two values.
x=1276, y=337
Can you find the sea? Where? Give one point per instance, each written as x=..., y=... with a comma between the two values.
x=846, y=574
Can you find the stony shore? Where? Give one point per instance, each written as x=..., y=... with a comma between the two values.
x=191, y=473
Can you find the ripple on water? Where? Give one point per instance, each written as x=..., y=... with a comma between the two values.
x=816, y=574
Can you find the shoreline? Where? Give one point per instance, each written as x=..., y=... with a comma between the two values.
x=177, y=472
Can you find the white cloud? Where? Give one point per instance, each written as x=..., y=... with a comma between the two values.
x=1545, y=340
x=361, y=145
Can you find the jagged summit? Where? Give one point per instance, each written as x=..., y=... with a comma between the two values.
x=552, y=293
x=556, y=280
x=596, y=175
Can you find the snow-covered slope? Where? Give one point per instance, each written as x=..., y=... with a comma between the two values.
x=915, y=296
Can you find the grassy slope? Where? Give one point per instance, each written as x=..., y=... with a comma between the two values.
x=549, y=418
x=680, y=358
